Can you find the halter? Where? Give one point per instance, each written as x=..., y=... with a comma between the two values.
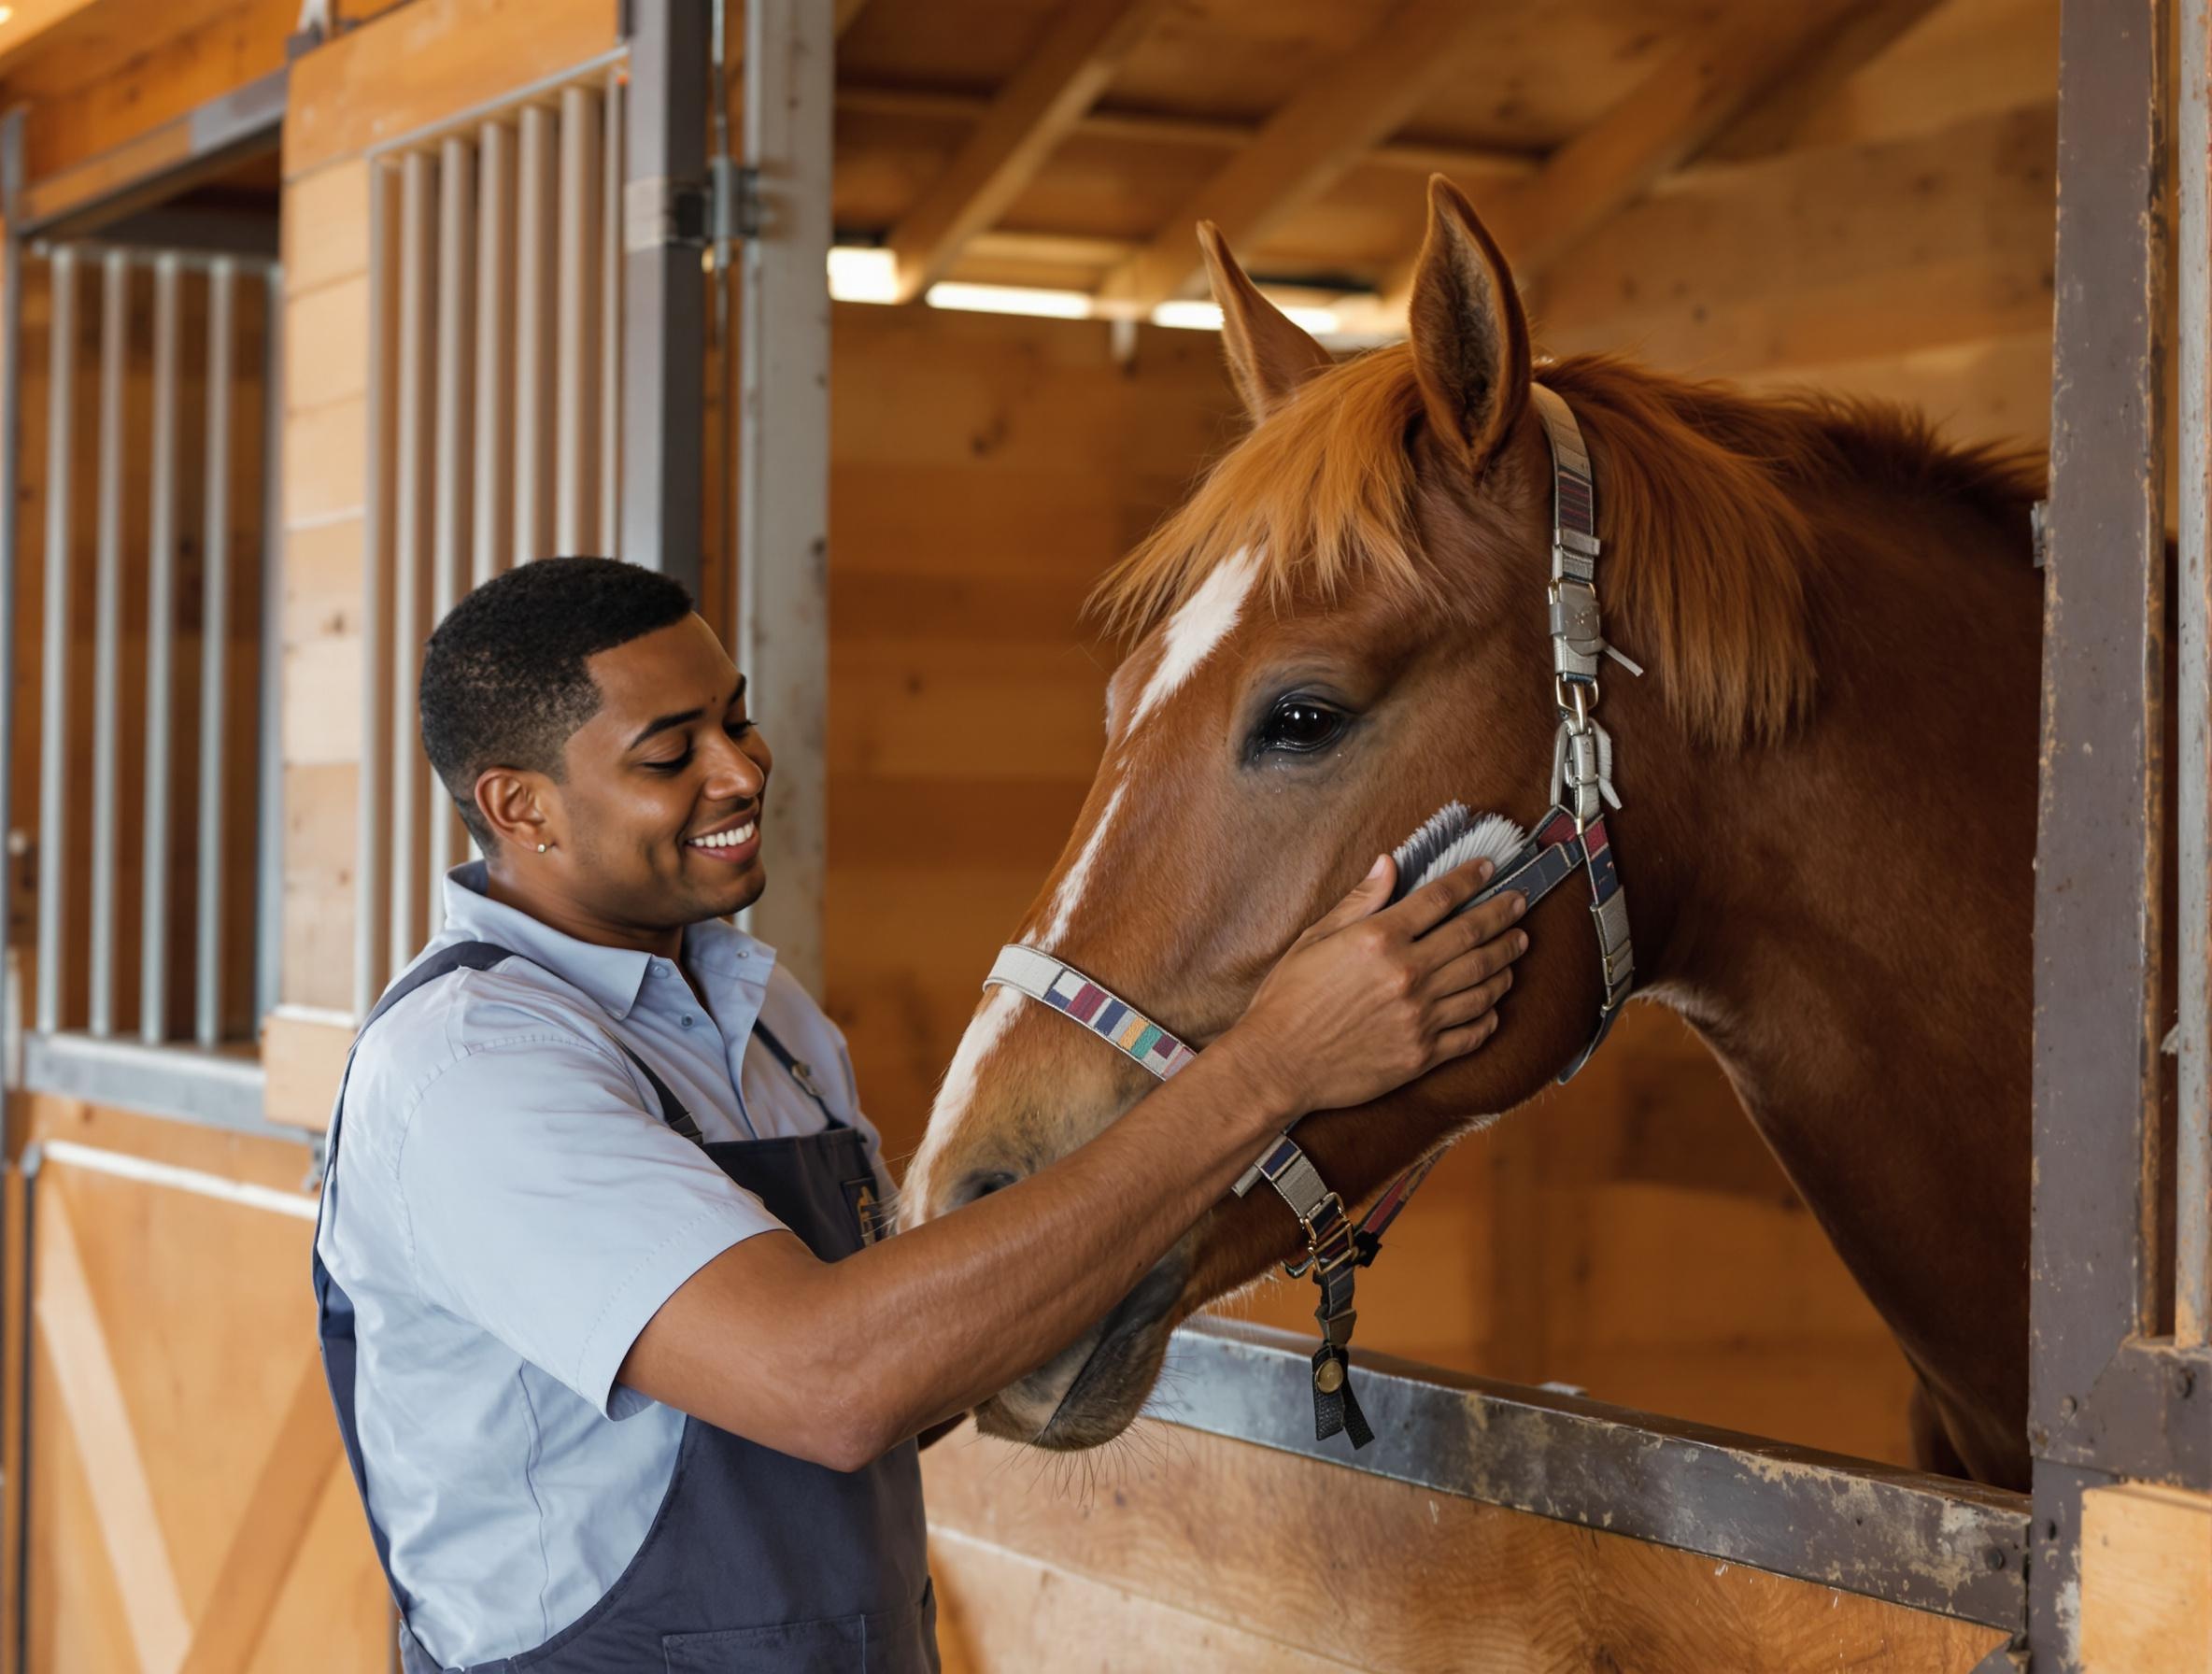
x=1570, y=838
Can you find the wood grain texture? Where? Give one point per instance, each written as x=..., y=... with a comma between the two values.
x=2145, y=1581
x=1406, y=1578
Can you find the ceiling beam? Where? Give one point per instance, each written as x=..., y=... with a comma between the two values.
x=1055, y=86
x=1771, y=122
x=1209, y=132
x=1301, y=151
x=1667, y=120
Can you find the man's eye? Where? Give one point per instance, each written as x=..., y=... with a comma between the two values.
x=674, y=764
x=738, y=729
x=1301, y=724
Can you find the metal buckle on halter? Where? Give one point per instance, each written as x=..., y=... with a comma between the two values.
x=1330, y=1207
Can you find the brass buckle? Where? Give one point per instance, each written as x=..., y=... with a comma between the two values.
x=1299, y=1270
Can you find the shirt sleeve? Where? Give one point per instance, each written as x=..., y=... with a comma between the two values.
x=547, y=1205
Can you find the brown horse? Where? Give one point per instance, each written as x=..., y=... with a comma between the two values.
x=1828, y=778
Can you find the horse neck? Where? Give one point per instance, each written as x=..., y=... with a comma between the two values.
x=1845, y=918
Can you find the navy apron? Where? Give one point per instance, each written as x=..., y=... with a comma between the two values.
x=756, y=1561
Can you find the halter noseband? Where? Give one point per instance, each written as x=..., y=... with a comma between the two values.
x=1569, y=838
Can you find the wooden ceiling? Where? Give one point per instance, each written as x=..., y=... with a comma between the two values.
x=1072, y=144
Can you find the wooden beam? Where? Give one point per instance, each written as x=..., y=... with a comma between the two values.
x=1308, y=143
x=1057, y=82
x=2146, y=1580
x=1771, y=122
x=1660, y=124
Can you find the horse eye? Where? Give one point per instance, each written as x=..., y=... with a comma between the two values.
x=1301, y=724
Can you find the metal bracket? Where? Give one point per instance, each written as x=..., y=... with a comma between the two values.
x=733, y=207
x=723, y=210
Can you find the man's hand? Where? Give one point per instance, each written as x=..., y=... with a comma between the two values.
x=1372, y=997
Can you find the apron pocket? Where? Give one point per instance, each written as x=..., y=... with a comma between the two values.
x=887, y=1643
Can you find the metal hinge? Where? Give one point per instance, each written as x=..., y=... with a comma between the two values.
x=718, y=212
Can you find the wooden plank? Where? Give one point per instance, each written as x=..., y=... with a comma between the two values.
x=1218, y=1528
x=304, y=1455
x=325, y=462
x=326, y=226
x=2145, y=1581
x=319, y=895
x=1307, y=144
x=331, y=325
x=1671, y=114
x=1005, y=1609
x=414, y=65
x=76, y=1350
x=1771, y=121
x=303, y=1055
x=1062, y=76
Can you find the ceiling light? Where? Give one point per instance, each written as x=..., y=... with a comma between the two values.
x=1011, y=299
x=860, y=273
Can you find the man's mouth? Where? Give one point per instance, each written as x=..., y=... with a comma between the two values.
x=732, y=844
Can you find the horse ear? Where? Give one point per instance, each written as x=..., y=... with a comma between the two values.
x=1267, y=356
x=1470, y=339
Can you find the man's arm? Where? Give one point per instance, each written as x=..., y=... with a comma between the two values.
x=836, y=1362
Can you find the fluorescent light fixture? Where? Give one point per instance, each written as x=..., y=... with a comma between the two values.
x=1011, y=299
x=858, y=274
x=6, y=12
x=1206, y=317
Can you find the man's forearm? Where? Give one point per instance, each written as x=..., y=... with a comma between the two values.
x=959, y=1307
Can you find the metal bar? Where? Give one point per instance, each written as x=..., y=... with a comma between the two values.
x=495, y=349
x=107, y=617
x=2098, y=838
x=2193, y=1275
x=215, y=635
x=663, y=289
x=371, y=862
x=53, y=696
x=25, y=1382
x=198, y=1183
x=533, y=334
x=11, y=441
x=575, y=404
x=160, y=645
x=153, y=256
x=457, y=302
x=782, y=615
x=610, y=326
x=502, y=104
x=157, y=162
x=268, y=917
x=413, y=512
x=210, y=1087
x=1930, y=1543
x=2148, y=1418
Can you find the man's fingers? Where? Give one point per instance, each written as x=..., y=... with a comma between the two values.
x=1437, y=899
x=1486, y=960
x=1363, y=898
x=1467, y=1006
x=1458, y=1043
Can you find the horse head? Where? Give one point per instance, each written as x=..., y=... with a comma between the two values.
x=1344, y=629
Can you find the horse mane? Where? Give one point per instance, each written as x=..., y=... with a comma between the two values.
x=1699, y=498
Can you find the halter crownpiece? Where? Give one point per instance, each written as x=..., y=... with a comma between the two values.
x=1570, y=837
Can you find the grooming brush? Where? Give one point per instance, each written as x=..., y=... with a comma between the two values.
x=1452, y=837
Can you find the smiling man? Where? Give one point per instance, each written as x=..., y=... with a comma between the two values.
x=627, y=1375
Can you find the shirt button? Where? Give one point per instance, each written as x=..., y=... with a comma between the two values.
x=744, y=953
x=686, y=1019
x=659, y=968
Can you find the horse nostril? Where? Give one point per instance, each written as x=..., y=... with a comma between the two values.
x=982, y=1185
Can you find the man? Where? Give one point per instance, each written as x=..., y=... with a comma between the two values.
x=625, y=1379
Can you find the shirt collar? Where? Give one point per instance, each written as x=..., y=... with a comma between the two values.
x=610, y=975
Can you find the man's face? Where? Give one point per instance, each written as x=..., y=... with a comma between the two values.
x=661, y=797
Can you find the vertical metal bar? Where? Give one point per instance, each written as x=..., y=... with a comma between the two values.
x=782, y=616
x=53, y=695
x=372, y=829
x=215, y=634
x=534, y=336
x=2192, y=1277
x=412, y=528
x=495, y=349
x=11, y=441
x=610, y=323
x=108, y=616
x=161, y=645
x=576, y=379
x=268, y=916
x=456, y=315
x=2098, y=838
x=663, y=289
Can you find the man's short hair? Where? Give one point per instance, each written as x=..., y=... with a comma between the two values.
x=504, y=681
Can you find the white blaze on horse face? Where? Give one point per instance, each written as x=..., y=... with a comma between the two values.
x=956, y=1100
x=1069, y=896
x=1193, y=631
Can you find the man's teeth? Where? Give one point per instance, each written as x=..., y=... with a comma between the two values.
x=726, y=839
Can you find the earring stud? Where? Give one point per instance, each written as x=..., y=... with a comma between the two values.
x=544, y=846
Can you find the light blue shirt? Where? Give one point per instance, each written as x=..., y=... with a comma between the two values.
x=508, y=1211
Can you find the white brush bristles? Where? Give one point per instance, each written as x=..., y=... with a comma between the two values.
x=1452, y=837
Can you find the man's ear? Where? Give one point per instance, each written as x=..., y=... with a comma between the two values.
x=513, y=802
x=1269, y=356
x=1470, y=338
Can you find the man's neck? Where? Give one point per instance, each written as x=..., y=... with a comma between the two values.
x=571, y=919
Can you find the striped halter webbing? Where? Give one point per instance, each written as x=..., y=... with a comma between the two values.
x=1570, y=838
